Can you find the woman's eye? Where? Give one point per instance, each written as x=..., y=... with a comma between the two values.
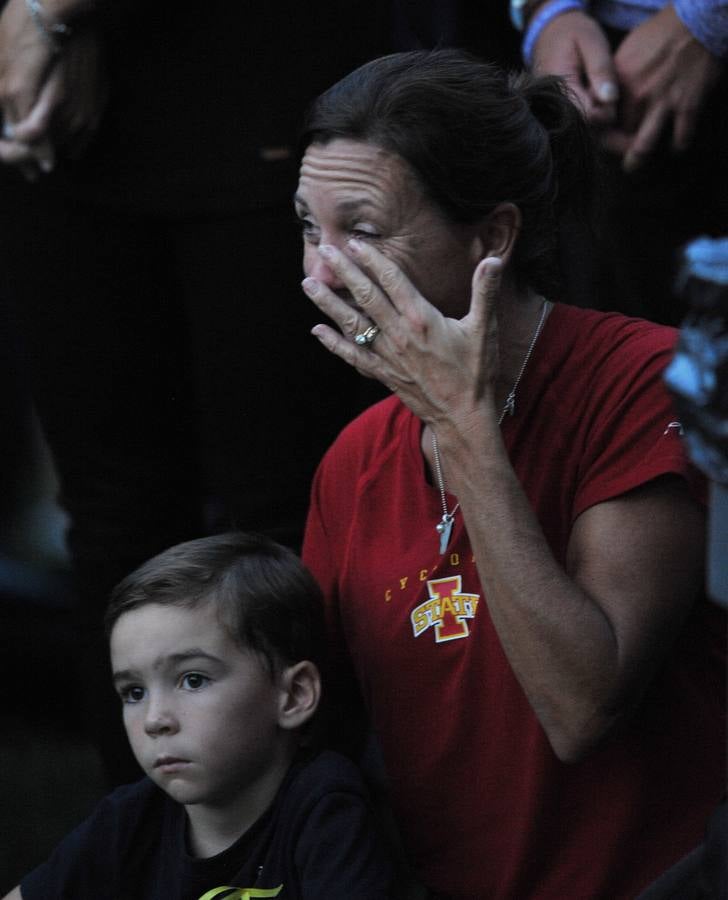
x=365, y=233
x=134, y=693
x=308, y=229
x=193, y=681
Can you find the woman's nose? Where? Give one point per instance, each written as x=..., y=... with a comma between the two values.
x=314, y=266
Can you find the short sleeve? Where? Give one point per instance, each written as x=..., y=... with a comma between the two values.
x=636, y=435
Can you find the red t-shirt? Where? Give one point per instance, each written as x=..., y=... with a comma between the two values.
x=486, y=808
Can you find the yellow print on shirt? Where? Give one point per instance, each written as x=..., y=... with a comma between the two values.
x=241, y=893
x=447, y=610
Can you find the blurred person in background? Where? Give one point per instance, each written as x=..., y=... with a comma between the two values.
x=150, y=257
x=651, y=78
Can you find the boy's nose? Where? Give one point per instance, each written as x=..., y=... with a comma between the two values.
x=160, y=720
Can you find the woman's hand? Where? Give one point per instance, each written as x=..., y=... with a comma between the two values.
x=440, y=367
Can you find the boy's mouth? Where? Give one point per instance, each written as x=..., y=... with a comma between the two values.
x=169, y=763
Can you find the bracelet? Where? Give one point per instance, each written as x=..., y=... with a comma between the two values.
x=56, y=33
x=546, y=14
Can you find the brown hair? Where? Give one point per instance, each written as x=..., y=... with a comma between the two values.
x=475, y=136
x=264, y=595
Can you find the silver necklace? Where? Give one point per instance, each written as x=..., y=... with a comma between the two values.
x=444, y=526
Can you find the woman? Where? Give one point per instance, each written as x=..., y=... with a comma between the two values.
x=510, y=545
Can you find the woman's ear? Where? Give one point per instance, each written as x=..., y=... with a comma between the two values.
x=300, y=692
x=499, y=231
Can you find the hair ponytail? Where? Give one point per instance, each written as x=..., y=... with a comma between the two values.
x=570, y=139
x=573, y=173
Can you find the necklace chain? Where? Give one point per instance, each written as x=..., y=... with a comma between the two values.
x=444, y=526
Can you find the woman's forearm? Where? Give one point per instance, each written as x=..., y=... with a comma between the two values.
x=582, y=642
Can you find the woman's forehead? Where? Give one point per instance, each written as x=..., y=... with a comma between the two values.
x=357, y=171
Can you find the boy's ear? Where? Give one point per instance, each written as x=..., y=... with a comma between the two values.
x=498, y=233
x=300, y=692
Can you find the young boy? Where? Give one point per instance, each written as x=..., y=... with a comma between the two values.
x=215, y=650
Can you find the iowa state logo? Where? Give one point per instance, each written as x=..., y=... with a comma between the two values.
x=447, y=610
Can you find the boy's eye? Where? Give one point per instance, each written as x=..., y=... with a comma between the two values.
x=193, y=681
x=134, y=693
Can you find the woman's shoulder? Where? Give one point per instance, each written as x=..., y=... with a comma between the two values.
x=385, y=414
x=591, y=328
x=372, y=433
x=593, y=347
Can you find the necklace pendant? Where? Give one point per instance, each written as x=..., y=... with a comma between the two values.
x=510, y=404
x=444, y=529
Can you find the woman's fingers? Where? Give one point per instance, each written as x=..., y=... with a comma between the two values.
x=377, y=285
x=363, y=290
x=393, y=284
x=357, y=305
x=371, y=297
x=359, y=334
x=362, y=359
x=483, y=318
x=350, y=320
x=485, y=291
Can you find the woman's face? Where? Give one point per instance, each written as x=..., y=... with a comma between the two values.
x=355, y=189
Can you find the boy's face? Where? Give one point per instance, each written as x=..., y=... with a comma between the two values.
x=201, y=714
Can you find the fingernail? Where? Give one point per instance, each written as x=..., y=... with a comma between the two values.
x=319, y=332
x=354, y=245
x=326, y=250
x=607, y=92
x=310, y=286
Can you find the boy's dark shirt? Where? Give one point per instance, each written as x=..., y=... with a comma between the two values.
x=317, y=840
